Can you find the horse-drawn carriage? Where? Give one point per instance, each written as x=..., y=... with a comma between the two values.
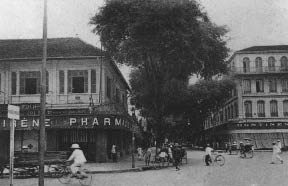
x=26, y=164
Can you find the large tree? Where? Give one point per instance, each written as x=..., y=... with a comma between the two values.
x=165, y=43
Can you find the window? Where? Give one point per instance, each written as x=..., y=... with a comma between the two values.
x=93, y=81
x=77, y=81
x=14, y=83
x=246, y=65
x=248, y=109
x=285, y=108
x=108, y=87
x=259, y=85
x=61, y=82
x=247, y=86
x=261, y=108
x=273, y=85
x=118, y=98
x=258, y=64
x=30, y=82
x=284, y=85
x=273, y=108
x=236, y=109
x=284, y=63
x=271, y=64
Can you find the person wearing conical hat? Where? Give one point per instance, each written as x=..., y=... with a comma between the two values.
x=78, y=159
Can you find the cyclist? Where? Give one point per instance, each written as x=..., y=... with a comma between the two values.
x=208, y=151
x=78, y=159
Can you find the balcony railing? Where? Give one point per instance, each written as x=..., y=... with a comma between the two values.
x=257, y=70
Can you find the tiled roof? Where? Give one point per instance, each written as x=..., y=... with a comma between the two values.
x=265, y=48
x=56, y=47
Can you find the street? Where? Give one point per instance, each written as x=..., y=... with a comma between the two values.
x=236, y=172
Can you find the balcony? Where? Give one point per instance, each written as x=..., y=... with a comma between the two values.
x=259, y=70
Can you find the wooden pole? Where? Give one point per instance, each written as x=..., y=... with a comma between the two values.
x=12, y=131
x=43, y=101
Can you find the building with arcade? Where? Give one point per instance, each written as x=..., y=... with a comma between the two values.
x=86, y=98
x=258, y=106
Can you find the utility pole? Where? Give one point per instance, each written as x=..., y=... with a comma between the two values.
x=43, y=100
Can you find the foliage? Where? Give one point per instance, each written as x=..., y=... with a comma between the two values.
x=177, y=35
x=165, y=43
x=205, y=97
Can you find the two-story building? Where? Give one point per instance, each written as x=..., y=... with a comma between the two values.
x=258, y=107
x=86, y=98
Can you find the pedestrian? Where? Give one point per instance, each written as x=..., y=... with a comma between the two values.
x=177, y=156
x=148, y=156
x=78, y=159
x=114, y=153
x=140, y=153
x=208, y=152
x=275, y=155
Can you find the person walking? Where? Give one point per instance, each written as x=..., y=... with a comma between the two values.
x=114, y=153
x=208, y=151
x=275, y=154
x=177, y=156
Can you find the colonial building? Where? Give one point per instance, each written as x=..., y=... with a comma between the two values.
x=258, y=107
x=86, y=99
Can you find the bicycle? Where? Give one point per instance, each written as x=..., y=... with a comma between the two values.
x=63, y=173
x=247, y=151
x=217, y=159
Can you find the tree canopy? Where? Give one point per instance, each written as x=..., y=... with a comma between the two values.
x=165, y=43
x=177, y=35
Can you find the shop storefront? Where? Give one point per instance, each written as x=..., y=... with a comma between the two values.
x=95, y=132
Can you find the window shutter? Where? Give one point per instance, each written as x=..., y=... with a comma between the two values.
x=14, y=83
x=69, y=82
x=93, y=81
x=85, y=81
x=61, y=82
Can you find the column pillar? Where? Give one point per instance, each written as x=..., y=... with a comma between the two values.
x=101, y=146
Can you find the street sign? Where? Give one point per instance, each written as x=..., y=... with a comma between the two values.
x=13, y=112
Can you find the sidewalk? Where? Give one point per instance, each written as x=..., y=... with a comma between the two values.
x=123, y=165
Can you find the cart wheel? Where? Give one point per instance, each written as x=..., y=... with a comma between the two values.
x=220, y=160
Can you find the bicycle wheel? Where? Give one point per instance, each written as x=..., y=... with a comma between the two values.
x=249, y=154
x=220, y=160
x=87, y=178
x=65, y=175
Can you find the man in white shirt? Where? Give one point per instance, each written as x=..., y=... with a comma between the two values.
x=275, y=155
x=78, y=159
x=208, y=152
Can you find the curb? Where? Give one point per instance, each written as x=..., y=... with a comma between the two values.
x=138, y=169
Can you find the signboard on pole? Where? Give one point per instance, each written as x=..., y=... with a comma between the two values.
x=13, y=112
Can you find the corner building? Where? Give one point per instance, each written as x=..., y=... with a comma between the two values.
x=258, y=107
x=86, y=100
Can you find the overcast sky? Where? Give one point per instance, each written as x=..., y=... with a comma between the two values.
x=251, y=22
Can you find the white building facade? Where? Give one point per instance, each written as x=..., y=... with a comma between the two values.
x=258, y=107
x=86, y=98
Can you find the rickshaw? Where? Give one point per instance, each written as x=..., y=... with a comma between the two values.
x=246, y=150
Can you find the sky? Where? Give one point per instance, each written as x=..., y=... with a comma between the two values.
x=250, y=22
